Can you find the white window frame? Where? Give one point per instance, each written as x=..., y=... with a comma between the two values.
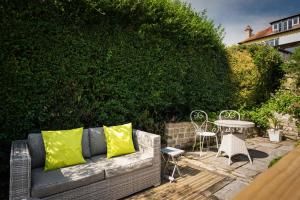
x=277, y=26
x=285, y=28
x=272, y=42
x=276, y=40
x=288, y=20
x=296, y=22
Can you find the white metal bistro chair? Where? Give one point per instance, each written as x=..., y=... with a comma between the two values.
x=228, y=115
x=204, y=129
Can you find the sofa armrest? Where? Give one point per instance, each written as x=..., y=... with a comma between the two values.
x=20, y=171
x=149, y=143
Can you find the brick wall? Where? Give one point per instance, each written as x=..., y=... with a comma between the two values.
x=180, y=135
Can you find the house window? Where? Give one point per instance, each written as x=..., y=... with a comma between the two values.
x=279, y=26
x=295, y=21
x=290, y=24
x=285, y=25
x=273, y=42
x=275, y=27
x=276, y=42
x=270, y=42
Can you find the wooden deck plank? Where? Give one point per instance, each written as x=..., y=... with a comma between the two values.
x=189, y=186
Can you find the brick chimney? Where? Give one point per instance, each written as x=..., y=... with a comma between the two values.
x=249, y=31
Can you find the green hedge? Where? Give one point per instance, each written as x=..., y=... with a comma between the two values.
x=82, y=63
x=67, y=64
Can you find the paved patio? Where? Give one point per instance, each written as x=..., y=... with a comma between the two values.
x=224, y=180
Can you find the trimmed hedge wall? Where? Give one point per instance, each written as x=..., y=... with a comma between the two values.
x=72, y=63
x=82, y=63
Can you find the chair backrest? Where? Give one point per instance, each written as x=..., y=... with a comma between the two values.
x=199, y=119
x=229, y=114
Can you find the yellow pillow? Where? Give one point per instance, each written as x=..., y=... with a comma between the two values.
x=119, y=140
x=63, y=148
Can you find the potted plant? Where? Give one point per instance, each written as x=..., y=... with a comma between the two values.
x=274, y=132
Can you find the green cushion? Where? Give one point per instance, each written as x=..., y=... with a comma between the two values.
x=63, y=148
x=119, y=140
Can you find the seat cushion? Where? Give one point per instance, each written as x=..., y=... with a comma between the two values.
x=97, y=141
x=123, y=164
x=86, y=151
x=206, y=134
x=37, y=149
x=64, y=179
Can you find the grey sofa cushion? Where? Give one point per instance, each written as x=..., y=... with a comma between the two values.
x=97, y=141
x=64, y=179
x=134, y=138
x=123, y=164
x=37, y=149
x=86, y=151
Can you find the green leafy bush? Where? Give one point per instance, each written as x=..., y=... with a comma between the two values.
x=255, y=73
x=293, y=67
x=285, y=100
x=281, y=102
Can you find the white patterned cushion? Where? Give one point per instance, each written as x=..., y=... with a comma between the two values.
x=123, y=164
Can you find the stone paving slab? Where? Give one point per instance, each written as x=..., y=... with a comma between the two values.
x=244, y=172
x=287, y=147
x=228, y=192
x=257, y=165
x=270, y=145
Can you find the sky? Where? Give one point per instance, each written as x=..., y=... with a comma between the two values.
x=235, y=15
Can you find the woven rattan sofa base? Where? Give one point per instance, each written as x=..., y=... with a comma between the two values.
x=111, y=188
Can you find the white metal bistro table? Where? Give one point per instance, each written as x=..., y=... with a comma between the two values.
x=172, y=155
x=231, y=143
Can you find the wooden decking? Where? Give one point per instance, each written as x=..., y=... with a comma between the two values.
x=193, y=184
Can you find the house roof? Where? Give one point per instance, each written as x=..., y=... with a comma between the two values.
x=267, y=32
x=278, y=20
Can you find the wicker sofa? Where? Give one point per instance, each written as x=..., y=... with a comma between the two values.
x=98, y=178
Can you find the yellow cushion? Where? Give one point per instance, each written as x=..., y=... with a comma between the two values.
x=63, y=148
x=119, y=140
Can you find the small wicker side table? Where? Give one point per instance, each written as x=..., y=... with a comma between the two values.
x=171, y=155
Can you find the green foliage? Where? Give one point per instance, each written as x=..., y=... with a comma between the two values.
x=292, y=67
x=274, y=161
x=87, y=63
x=255, y=73
x=66, y=64
x=281, y=102
x=285, y=101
